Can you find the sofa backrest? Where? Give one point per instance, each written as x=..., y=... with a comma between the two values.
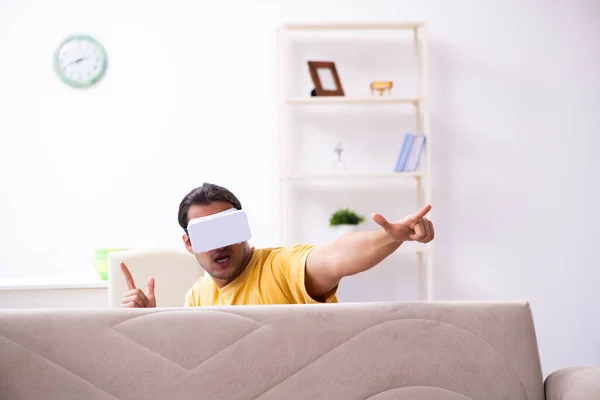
x=376, y=351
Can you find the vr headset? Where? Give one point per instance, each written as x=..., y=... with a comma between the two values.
x=218, y=230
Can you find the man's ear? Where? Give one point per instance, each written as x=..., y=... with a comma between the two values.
x=188, y=245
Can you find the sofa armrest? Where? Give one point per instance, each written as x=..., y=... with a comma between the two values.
x=574, y=383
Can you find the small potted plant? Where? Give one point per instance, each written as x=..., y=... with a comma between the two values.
x=345, y=220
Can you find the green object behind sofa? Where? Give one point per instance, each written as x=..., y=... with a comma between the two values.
x=101, y=261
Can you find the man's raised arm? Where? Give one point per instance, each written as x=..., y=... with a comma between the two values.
x=355, y=252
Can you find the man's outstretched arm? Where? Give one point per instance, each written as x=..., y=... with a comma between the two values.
x=355, y=252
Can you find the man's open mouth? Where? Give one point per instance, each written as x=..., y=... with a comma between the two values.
x=221, y=258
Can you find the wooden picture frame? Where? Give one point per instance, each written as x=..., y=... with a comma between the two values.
x=324, y=88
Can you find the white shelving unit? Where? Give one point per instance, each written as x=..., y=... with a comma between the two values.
x=419, y=105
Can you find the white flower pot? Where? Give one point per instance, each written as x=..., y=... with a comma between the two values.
x=338, y=230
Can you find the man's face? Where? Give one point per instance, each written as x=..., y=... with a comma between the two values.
x=226, y=263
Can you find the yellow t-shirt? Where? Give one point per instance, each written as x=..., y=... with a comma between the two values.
x=273, y=276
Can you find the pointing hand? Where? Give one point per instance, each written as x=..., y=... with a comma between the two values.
x=135, y=297
x=414, y=227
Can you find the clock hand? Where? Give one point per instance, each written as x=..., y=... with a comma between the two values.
x=77, y=61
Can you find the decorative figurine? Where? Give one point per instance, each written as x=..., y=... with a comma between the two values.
x=338, y=166
x=381, y=86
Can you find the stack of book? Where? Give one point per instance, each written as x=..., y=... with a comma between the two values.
x=410, y=154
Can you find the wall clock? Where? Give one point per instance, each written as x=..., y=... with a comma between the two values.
x=80, y=61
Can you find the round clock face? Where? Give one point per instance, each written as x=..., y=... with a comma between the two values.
x=80, y=61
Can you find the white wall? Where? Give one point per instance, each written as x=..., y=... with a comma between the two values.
x=190, y=97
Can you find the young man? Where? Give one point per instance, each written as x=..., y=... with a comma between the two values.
x=240, y=274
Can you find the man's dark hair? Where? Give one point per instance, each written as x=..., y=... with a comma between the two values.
x=203, y=196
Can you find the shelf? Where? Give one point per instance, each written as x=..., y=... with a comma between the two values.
x=355, y=100
x=320, y=182
x=51, y=283
x=344, y=177
x=353, y=26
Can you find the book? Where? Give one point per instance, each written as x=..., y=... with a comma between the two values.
x=410, y=153
x=415, y=153
x=404, y=152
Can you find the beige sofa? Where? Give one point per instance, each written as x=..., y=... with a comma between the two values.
x=376, y=351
